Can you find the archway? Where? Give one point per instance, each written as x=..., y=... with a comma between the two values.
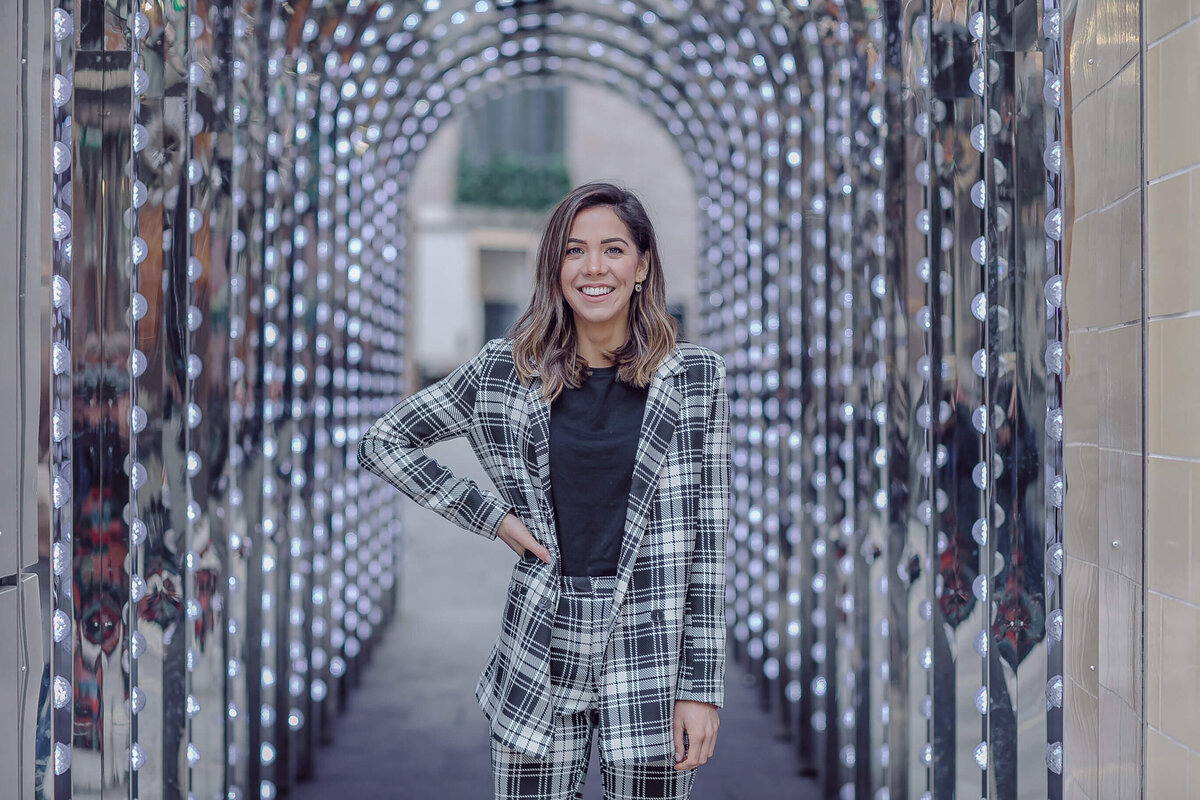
x=881, y=183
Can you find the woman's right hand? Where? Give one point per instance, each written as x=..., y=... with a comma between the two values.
x=514, y=534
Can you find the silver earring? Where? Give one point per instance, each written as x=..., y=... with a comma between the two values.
x=637, y=287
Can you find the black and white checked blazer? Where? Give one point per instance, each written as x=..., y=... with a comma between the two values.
x=667, y=628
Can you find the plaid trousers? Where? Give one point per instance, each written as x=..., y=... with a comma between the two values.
x=577, y=646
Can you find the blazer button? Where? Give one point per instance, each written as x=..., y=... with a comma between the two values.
x=544, y=604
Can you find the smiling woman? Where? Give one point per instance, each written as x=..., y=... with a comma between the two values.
x=609, y=444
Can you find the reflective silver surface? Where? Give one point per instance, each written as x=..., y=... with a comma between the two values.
x=20, y=669
x=24, y=243
x=223, y=309
x=100, y=348
x=162, y=446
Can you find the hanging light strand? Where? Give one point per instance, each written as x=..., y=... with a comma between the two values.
x=62, y=621
x=1052, y=52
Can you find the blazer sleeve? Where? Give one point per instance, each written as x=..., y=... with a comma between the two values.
x=392, y=448
x=702, y=669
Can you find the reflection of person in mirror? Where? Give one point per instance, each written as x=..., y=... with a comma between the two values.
x=609, y=443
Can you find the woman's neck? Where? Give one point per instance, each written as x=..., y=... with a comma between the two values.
x=592, y=346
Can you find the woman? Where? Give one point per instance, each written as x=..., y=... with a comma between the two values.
x=609, y=444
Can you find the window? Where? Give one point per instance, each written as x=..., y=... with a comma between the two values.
x=512, y=151
x=498, y=318
x=506, y=282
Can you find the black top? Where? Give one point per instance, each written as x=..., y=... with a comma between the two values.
x=593, y=441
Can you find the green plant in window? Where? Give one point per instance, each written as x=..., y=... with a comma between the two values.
x=512, y=181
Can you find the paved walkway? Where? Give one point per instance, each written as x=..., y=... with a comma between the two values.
x=413, y=730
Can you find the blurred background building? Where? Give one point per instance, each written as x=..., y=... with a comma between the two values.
x=947, y=250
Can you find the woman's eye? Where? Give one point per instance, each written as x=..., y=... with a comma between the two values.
x=615, y=250
x=574, y=251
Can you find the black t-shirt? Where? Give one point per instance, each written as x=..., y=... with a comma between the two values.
x=593, y=441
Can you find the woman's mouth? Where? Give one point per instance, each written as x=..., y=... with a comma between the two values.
x=596, y=292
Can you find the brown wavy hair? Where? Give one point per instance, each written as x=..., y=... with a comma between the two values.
x=544, y=338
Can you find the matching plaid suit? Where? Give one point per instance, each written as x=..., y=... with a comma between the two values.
x=665, y=631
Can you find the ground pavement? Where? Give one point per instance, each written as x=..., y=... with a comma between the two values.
x=412, y=730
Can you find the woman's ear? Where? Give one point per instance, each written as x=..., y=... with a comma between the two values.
x=643, y=268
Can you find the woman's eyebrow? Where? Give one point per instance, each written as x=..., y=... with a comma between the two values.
x=602, y=241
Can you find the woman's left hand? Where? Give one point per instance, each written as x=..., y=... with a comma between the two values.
x=701, y=722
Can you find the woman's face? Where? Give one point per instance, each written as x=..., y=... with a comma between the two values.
x=599, y=268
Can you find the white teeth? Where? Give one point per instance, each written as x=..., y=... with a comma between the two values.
x=596, y=291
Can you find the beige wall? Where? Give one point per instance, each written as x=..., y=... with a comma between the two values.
x=1172, y=398
x=1102, y=412
x=447, y=325
x=609, y=138
x=1133, y=314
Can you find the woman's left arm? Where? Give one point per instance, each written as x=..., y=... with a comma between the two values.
x=701, y=688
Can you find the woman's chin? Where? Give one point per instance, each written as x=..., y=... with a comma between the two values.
x=599, y=318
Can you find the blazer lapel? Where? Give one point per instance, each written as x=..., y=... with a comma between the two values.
x=658, y=429
x=538, y=443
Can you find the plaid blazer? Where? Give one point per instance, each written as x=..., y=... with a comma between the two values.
x=667, y=627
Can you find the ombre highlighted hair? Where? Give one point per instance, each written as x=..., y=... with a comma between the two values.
x=544, y=338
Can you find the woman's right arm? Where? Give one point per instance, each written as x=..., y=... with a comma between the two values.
x=393, y=449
